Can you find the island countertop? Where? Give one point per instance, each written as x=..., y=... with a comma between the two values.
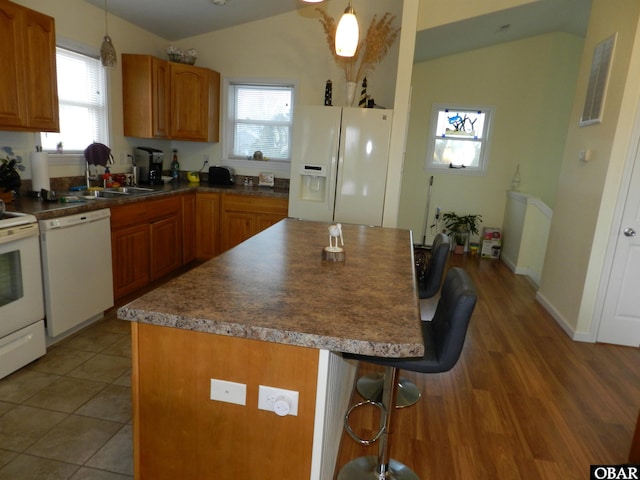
x=275, y=287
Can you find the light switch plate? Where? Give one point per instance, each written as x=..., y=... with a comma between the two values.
x=230, y=392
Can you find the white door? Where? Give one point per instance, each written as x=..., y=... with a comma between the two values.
x=620, y=323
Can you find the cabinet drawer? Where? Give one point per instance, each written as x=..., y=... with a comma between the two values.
x=255, y=204
x=131, y=214
x=164, y=207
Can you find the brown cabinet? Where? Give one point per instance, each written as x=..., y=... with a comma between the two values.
x=146, y=242
x=226, y=219
x=243, y=216
x=188, y=227
x=163, y=99
x=207, y=225
x=28, y=84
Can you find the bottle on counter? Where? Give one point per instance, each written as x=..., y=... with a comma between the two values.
x=175, y=167
x=107, y=179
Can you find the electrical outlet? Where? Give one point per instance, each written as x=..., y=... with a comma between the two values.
x=230, y=392
x=278, y=400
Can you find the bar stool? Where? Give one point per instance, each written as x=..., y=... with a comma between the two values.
x=371, y=386
x=443, y=341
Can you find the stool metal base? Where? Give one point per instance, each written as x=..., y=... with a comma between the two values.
x=366, y=468
x=371, y=387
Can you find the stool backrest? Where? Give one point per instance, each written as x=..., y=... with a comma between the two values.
x=450, y=322
x=433, y=277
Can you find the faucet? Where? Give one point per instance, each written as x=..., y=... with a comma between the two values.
x=88, y=175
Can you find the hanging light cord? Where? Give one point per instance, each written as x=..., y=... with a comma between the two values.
x=106, y=26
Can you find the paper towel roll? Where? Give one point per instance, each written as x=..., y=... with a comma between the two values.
x=40, y=171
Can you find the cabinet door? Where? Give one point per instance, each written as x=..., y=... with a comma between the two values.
x=161, y=98
x=130, y=257
x=13, y=102
x=265, y=220
x=236, y=228
x=207, y=225
x=190, y=101
x=166, y=246
x=145, y=96
x=40, y=66
x=188, y=228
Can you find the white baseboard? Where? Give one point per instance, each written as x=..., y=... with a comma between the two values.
x=560, y=320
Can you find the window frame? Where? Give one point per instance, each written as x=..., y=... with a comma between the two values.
x=76, y=157
x=485, y=141
x=280, y=167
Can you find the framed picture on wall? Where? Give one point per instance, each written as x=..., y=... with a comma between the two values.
x=598, y=80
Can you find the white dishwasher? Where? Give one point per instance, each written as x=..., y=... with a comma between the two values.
x=76, y=267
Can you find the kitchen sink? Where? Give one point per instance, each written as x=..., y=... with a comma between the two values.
x=116, y=192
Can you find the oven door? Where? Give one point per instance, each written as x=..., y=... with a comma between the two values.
x=21, y=297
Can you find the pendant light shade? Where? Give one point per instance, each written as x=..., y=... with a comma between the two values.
x=108, y=55
x=347, y=33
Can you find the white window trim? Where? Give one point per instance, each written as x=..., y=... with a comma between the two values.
x=486, y=143
x=280, y=169
x=77, y=158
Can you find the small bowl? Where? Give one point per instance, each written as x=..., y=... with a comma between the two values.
x=193, y=177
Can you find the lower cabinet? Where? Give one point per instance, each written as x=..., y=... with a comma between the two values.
x=243, y=216
x=207, y=225
x=152, y=238
x=226, y=219
x=146, y=242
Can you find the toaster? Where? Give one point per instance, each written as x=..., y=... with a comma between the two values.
x=221, y=175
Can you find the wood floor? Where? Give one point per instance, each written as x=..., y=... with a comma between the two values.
x=524, y=401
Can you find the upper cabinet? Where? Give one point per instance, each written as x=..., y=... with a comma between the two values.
x=28, y=84
x=170, y=100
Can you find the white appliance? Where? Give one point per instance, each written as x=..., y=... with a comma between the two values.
x=77, y=269
x=339, y=164
x=22, y=338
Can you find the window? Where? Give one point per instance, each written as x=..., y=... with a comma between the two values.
x=259, y=119
x=459, y=139
x=82, y=98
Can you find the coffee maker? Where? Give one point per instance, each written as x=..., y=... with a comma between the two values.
x=149, y=163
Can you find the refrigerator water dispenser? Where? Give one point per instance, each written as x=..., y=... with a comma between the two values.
x=313, y=182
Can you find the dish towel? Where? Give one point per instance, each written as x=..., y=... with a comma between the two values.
x=97, y=154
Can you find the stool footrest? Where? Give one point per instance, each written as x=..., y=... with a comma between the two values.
x=353, y=434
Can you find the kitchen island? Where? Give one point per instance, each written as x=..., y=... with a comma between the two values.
x=267, y=312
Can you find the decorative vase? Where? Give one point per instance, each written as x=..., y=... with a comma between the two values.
x=351, y=93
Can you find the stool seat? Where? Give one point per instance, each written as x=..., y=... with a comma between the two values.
x=443, y=339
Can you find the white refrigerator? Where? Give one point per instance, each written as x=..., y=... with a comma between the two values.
x=339, y=164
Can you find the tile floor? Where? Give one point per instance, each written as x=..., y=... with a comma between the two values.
x=67, y=416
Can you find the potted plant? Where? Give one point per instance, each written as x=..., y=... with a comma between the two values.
x=460, y=227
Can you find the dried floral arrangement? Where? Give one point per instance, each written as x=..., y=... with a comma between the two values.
x=381, y=35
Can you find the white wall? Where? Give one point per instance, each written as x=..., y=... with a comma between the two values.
x=530, y=83
x=587, y=192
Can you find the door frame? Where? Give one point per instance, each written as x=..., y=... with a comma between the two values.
x=632, y=161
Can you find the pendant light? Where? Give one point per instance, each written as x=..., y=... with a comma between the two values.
x=347, y=33
x=108, y=55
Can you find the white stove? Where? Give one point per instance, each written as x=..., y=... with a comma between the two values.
x=22, y=338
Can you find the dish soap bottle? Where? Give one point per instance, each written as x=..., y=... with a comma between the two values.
x=107, y=179
x=175, y=167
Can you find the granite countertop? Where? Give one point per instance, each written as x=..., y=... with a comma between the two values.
x=44, y=210
x=275, y=287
